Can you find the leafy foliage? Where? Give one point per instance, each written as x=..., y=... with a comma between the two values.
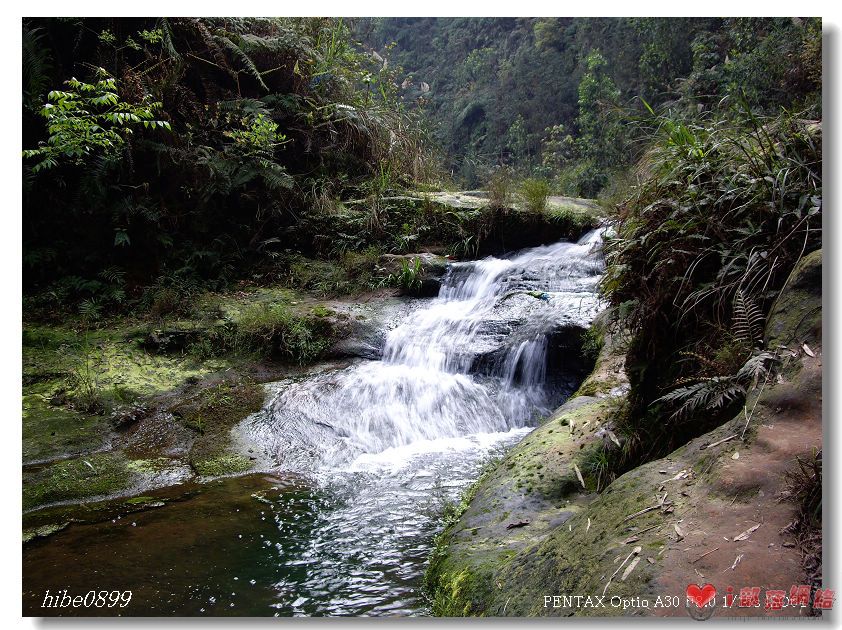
x=274, y=330
x=714, y=394
x=534, y=193
x=558, y=97
x=89, y=118
x=197, y=144
x=410, y=276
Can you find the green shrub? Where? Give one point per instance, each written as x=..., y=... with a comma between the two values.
x=723, y=212
x=534, y=193
x=410, y=277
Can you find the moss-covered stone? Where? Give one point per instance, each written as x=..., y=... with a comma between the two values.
x=713, y=483
x=43, y=531
x=51, y=431
x=536, y=482
x=99, y=474
x=222, y=464
x=795, y=317
x=212, y=412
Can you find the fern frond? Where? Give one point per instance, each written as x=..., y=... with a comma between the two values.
x=748, y=320
x=242, y=57
x=37, y=65
x=757, y=367
x=245, y=106
x=710, y=395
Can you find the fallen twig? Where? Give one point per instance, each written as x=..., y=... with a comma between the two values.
x=707, y=553
x=634, y=552
x=647, y=509
x=722, y=441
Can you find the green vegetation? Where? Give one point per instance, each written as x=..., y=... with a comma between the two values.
x=194, y=149
x=560, y=98
x=705, y=245
x=192, y=187
x=75, y=479
x=276, y=330
x=534, y=193
x=409, y=278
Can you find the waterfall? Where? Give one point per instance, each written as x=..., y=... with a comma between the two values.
x=469, y=362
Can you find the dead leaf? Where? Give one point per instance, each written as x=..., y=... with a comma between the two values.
x=736, y=455
x=631, y=539
x=579, y=475
x=747, y=533
x=629, y=569
x=678, y=532
x=807, y=350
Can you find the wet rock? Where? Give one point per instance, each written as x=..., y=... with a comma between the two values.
x=126, y=415
x=363, y=333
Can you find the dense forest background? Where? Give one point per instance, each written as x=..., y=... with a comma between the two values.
x=560, y=97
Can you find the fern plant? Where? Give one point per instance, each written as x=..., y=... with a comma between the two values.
x=748, y=320
x=714, y=394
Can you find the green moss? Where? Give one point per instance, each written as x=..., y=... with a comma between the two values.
x=224, y=464
x=322, y=311
x=277, y=330
x=50, y=431
x=43, y=531
x=220, y=406
x=76, y=479
x=148, y=466
x=796, y=315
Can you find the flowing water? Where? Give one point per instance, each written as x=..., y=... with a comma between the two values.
x=365, y=457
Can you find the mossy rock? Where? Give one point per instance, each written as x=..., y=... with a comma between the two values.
x=212, y=413
x=795, y=317
x=76, y=479
x=219, y=465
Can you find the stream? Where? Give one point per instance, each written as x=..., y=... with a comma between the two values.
x=365, y=457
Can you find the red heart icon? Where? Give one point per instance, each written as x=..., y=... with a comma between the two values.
x=701, y=595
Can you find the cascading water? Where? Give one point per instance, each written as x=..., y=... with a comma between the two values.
x=473, y=361
x=388, y=440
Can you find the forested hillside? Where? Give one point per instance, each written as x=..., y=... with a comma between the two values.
x=176, y=153
x=562, y=98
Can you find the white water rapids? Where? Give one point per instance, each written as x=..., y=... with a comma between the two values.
x=385, y=441
x=472, y=361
